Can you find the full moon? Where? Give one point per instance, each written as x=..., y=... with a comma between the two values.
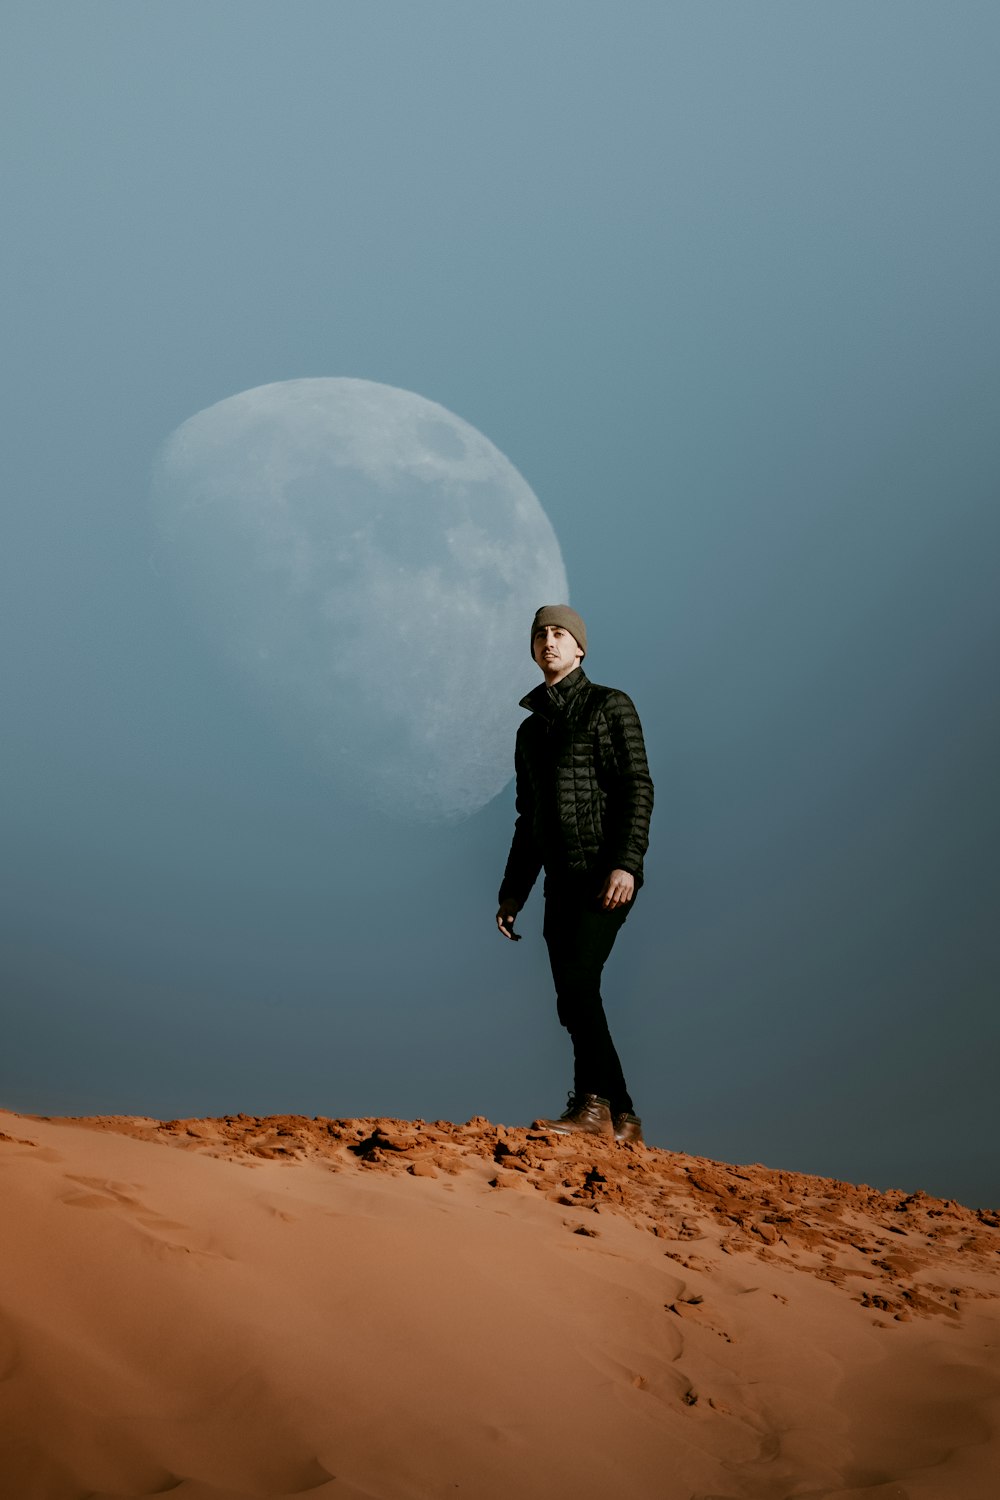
x=369, y=564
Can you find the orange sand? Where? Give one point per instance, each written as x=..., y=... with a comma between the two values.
x=219, y=1309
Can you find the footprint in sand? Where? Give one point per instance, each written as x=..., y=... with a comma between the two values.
x=163, y=1235
x=35, y=1151
x=102, y=1194
x=281, y=1213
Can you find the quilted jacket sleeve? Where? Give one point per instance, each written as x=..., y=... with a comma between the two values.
x=524, y=860
x=628, y=783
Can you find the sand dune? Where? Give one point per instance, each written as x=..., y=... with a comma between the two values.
x=386, y=1310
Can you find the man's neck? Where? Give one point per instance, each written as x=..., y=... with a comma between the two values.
x=551, y=679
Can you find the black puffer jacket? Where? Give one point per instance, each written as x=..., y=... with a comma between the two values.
x=584, y=792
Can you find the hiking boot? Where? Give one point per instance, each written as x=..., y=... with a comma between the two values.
x=585, y=1112
x=628, y=1129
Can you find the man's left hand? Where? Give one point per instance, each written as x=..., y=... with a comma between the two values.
x=617, y=890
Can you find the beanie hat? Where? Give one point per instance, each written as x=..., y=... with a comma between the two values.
x=562, y=615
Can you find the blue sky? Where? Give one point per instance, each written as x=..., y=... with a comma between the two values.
x=720, y=281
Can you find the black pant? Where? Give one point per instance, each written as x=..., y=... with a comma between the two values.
x=580, y=935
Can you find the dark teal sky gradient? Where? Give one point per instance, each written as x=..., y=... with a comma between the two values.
x=721, y=281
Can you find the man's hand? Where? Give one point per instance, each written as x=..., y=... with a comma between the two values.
x=505, y=919
x=617, y=890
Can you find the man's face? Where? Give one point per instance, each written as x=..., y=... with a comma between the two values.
x=556, y=651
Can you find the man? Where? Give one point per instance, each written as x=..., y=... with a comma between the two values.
x=584, y=798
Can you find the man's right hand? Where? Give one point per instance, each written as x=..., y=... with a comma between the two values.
x=505, y=919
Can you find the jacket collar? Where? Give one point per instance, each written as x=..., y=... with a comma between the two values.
x=551, y=701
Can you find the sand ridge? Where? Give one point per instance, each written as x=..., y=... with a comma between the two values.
x=886, y=1245
x=268, y=1306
